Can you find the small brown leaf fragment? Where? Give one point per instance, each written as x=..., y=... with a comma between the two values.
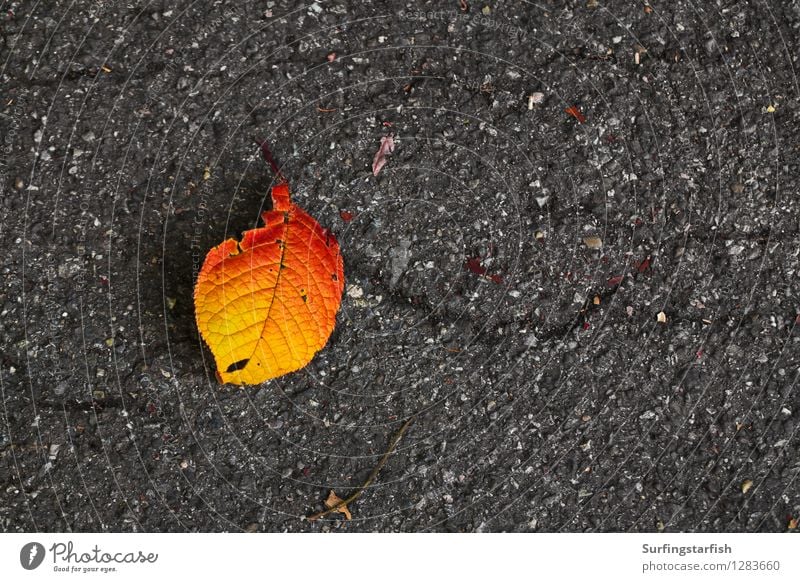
x=746, y=485
x=334, y=500
x=535, y=99
x=593, y=242
x=331, y=57
x=576, y=113
x=596, y=300
x=793, y=521
x=386, y=147
x=614, y=281
x=661, y=317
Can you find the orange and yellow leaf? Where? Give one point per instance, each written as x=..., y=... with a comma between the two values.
x=267, y=304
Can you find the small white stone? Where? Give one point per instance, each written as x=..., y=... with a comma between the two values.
x=355, y=291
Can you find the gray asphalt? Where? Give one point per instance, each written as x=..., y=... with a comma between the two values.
x=577, y=273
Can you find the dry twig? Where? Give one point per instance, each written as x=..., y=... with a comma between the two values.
x=370, y=479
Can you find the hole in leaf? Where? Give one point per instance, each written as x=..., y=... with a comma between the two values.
x=237, y=365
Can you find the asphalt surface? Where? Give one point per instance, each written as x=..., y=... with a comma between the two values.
x=587, y=300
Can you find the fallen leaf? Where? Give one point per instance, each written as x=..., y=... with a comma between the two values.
x=614, y=281
x=474, y=264
x=346, y=216
x=593, y=242
x=331, y=57
x=333, y=500
x=662, y=317
x=644, y=265
x=576, y=113
x=386, y=147
x=793, y=521
x=746, y=485
x=266, y=304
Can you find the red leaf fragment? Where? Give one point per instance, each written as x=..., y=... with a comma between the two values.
x=614, y=281
x=576, y=113
x=644, y=265
x=386, y=147
x=474, y=265
x=346, y=216
x=331, y=57
x=586, y=325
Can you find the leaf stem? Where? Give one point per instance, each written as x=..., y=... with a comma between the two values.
x=372, y=476
x=267, y=155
